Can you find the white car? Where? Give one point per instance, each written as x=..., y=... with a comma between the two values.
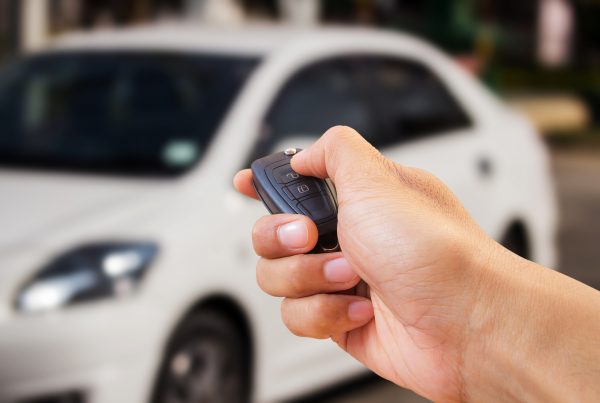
x=126, y=265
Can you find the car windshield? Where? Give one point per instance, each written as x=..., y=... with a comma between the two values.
x=123, y=112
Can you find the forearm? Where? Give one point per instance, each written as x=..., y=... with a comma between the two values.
x=534, y=336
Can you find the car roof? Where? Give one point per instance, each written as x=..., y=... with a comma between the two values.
x=251, y=40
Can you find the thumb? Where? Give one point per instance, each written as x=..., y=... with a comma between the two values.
x=340, y=154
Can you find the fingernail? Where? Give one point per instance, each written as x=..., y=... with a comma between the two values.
x=338, y=271
x=360, y=311
x=293, y=234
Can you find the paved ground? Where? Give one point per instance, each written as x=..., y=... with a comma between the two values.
x=578, y=184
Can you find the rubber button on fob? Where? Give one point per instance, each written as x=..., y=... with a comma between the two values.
x=303, y=189
x=285, y=174
x=317, y=208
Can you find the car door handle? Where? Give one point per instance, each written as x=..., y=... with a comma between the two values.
x=485, y=167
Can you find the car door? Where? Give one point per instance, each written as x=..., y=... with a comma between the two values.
x=423, y=124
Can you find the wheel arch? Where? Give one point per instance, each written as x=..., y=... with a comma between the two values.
x=232, y=310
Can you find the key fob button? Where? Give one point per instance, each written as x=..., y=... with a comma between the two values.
x=285, y=174
x=317, y=208
x=302, y=189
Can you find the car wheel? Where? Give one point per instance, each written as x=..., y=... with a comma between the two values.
x=206, y=362
x=516, y=241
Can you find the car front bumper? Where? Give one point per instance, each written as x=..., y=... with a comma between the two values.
x=105, y=352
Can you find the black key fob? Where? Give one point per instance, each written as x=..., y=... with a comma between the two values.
x=282, y=190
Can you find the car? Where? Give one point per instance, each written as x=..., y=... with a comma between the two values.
x=126, y=264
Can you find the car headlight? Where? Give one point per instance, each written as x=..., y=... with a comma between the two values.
x=87, y=273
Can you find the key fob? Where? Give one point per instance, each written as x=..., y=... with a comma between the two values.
x=282, y=190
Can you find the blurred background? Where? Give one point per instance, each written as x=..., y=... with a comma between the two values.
x=541, y=57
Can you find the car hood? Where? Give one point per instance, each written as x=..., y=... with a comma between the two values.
x=36, y=207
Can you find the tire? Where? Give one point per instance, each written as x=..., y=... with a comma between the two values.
x=206, y=362
x=516, y=241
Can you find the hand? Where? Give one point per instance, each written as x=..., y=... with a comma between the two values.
x=403, y=232
x=431, y=270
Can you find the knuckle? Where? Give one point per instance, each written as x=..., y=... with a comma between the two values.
x=435, y=190
x=297, y=277
x=340, y=132
x=322, y=317
x=321, y=304
x=264, y=238
x=315, y=325
x=258, y=227
x=426, y=177
x=258, y=237
x=393, y=168
x=295, y=263
x=261, y=277
x=399, y=173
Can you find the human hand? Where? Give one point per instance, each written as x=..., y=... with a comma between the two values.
x=404, y=233
x=435, y=277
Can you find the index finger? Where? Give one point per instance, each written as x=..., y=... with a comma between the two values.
x=242, y=181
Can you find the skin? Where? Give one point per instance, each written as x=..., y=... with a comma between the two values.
x=453, y=315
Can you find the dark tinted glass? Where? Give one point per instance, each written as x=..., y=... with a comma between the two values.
x=329, y=93
x=387, y=100
x=127, y=113
x=412, y=102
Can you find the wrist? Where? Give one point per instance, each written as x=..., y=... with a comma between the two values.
x=520, y=337
x=492, y=360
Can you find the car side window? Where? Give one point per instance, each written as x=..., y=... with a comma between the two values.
x=328, y=93
x=412, y=101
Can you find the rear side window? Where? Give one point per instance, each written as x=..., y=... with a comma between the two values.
x=328, y=93
x=387, y=100
x=411, y=101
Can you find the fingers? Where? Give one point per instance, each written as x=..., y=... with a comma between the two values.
x=339, y=151
x=281, y=235
x=302, y=275
x=323, y=315
x=242, y=181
